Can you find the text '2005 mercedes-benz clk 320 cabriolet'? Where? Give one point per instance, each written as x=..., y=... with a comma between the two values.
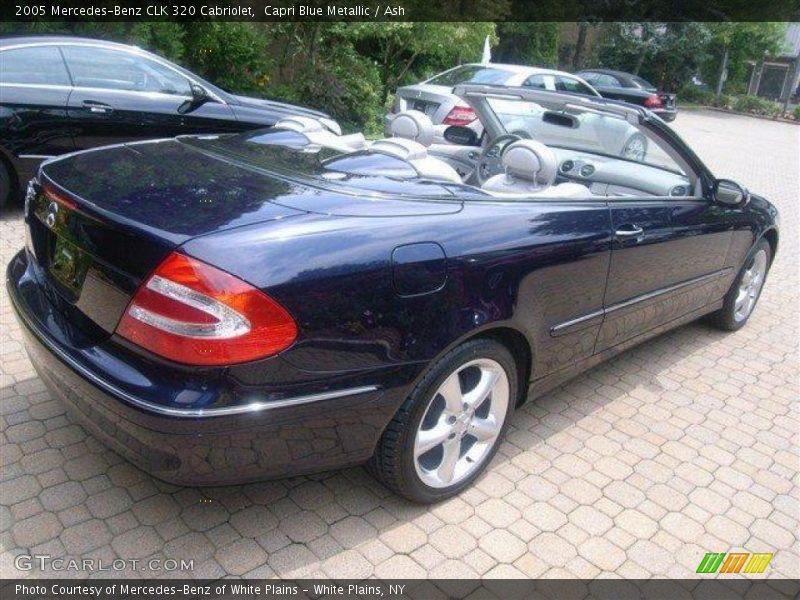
x=228, y=308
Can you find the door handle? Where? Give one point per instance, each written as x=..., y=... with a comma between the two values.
x=97, y=107
x=629, y=231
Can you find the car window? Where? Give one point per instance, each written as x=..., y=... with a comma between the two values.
x=41, y=65
x=568, y=84
x=540, y=82
x=606, y=80
x=643, y=83
x=115, y=70
x=590, y=77
x=470, y=74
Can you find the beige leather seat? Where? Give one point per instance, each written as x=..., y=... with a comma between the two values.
x=319, y=135
x=412, y=133
x=530, y=170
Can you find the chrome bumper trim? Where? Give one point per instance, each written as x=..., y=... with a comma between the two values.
x=151, y=407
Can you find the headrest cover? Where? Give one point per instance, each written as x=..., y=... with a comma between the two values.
x=532, y=161
x=400, y=148
x=300, y=124
x=413, y=125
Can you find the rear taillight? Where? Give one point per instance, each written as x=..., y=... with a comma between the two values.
x=653, y=101
x=193, y=313
x=52, y=195
x=460, y=115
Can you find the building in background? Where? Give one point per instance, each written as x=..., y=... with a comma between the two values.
x=777, y=77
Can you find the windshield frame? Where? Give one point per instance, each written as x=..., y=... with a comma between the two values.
x=477, y=97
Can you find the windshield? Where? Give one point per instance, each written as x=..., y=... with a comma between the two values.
x=470, y=74
x=581, y=128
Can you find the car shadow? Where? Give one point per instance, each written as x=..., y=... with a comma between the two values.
x=103, y=506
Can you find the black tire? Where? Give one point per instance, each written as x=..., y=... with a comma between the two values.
x=627, y=151
x=5, y=186
x=725, y=318
x=393, y=461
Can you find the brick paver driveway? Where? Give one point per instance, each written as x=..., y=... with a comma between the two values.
x=685, y=445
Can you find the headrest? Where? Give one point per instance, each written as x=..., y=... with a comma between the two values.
x=532, y=161
x=300, y=124
x=413, y=125
x=400, y=148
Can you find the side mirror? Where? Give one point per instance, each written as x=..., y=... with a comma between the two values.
x=730, y=193
x=199, y=97
x=461, y=136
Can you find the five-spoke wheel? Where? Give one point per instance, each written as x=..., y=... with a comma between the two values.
x=741, y=299
x=750, y=286
x=451, y=424
x=462, y=422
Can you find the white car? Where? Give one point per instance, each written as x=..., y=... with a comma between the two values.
x=435, y=97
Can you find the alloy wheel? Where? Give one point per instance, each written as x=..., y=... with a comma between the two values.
x=750, y=286
x=461, y=423
x=635, y=149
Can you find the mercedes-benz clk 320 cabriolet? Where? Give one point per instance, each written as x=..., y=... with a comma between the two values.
x=222, y=309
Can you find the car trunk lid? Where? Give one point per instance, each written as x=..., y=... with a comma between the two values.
x=433, y=100
x=98, y=223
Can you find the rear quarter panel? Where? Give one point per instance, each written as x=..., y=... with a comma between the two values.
x=524, y=265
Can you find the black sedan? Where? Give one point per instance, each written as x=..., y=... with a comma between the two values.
x=618, y=85
x=60, y=94
x=299, y=300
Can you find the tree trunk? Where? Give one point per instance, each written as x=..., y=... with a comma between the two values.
x=580, y=46
x=722, y=68
x=640, y=61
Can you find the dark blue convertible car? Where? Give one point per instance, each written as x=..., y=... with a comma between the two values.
x=228, y=308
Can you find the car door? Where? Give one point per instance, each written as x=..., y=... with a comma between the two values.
x=667, y=257
x=34, y=88
x=121, y=96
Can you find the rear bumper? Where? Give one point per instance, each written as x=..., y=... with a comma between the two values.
x=281, y=437
x=667, y=114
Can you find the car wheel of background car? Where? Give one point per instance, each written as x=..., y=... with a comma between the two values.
x=5, y=186
x=450, y=426
x=741, y=299
x=635, y=148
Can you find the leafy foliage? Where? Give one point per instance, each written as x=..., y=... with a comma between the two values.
x=528, y=43
x=352, y=69
x=744, y=41
x=667, y=54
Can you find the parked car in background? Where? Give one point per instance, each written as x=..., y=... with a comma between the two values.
x=435, y=97
x=60, y=94
x=632, y=88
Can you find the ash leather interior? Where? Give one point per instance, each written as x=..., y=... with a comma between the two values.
x=530, y=170
x=319, y=135
x=412, y=133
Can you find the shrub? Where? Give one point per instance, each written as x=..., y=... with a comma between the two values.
x=693, y=94
x=756, y=105
x=796, y=113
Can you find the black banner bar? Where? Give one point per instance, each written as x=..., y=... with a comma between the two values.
x=506, y=589
x=399, y=10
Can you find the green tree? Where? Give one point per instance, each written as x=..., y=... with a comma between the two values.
x=668, y=54
x=396, y=48
x=733, y=44
x=231, y=55
x=527, y=43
